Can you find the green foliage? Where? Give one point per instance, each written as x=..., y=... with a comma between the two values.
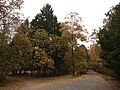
x=61, y=47
x=5, y=61
x=41, y=39
x=109, y=39
x=43, y=46
x=45, y=34
x=79, y=56
x=71, y=32
x=46, y=20
x=2, y=79
x=42, y=59
x=5, y=55
x=9, y=19
x=21, y=51
x=83, y=65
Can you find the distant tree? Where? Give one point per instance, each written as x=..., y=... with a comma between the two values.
x=109, y=39
x=95, y=50
x=94, y=36
x=46, y=20
x=95, y=61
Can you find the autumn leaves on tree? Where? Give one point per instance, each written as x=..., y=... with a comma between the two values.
x=46, y=47
x=43, y=46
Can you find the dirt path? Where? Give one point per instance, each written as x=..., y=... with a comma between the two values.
x=90, y=81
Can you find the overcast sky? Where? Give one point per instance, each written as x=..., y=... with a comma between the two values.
x=92, y=12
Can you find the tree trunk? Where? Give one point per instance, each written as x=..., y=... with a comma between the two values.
x=20, y=71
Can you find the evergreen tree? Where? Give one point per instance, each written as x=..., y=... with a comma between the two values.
x=46, y=20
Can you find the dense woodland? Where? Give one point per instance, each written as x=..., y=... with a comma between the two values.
x=46, y=47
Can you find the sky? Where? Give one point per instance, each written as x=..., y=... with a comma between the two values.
x=92, y=12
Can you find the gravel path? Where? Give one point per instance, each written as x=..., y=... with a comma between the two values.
x=91, y=81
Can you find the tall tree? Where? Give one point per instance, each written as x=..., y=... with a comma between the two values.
x=74, y=26
x=45, y=32
x=46, y=20
x=109, y=38
x=9, y=17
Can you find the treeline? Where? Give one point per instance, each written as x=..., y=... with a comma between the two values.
x=42, y=47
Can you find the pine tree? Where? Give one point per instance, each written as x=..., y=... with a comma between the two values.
x=46, y=20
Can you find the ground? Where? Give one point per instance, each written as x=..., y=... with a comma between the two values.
x=90, y=81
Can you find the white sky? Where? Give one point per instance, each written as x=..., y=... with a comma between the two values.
x=92, y=12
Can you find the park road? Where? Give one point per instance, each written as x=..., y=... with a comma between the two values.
x=90, y=81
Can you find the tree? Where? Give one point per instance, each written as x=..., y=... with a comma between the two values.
x=109, y=39
x=80, y=55
x=45, y=32
x=7, y=7
x=46, y=20
x=5, y=62
x=96, y=62
x=9, y=16
x=73, y=21
x=80, y=59
x=22, y=50
x=61, y=48
x=73, y=29
x=42, y=60
x=95, y=51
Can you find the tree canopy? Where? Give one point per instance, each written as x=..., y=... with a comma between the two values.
x=109, y=38
x=43, y=46
x=46, y=20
